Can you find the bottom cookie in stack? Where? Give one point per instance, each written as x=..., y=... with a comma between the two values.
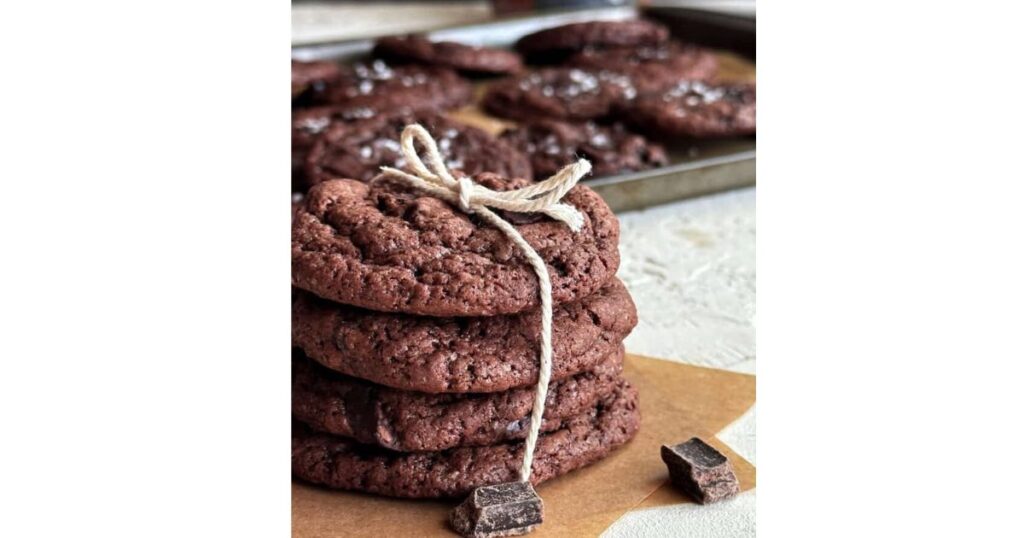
x=340, y=461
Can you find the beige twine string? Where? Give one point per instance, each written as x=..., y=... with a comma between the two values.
x=540, y=197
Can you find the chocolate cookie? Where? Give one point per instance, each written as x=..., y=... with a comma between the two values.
x=558, y=93
x=415, y=421
x=460, y=354
x=338, y=462
x=577, y=36
x=378, y=86
x=610, y=149
x=696, y=109
x=466, y=58
x=313, y=78
x=654, y=68
x=387, y=247
x=357, y=149
x=308, y=123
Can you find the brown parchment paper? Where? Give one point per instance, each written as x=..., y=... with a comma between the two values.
x=677, y=401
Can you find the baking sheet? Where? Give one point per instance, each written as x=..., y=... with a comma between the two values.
x=677, y=401
x=696, y=168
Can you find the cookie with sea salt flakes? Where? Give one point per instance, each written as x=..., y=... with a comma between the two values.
x=458, y=56
x=341, y=463
x=610, y=149
x=357, y=149
x=388, y=247
x=558, y=93
x=696, y=109
x=652, y=68
x=379, y=86
x=308, y=123
x=414, y=421
x=456, y=355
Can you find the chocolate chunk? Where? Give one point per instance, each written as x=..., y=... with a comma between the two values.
x=508, y=509
x=700, y=470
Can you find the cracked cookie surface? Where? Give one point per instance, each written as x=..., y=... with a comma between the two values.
x=341, y=463
x=487, y=354
x=415, y=421
x=386, y=247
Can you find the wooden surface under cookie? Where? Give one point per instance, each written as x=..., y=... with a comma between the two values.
x=677, y=401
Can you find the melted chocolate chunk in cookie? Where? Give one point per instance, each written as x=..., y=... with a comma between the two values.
x=552, y=145
x=358, y=149
x=465, y=58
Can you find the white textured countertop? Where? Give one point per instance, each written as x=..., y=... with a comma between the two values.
x=690, y=268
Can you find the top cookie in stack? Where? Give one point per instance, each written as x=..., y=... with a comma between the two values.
x=418, y=336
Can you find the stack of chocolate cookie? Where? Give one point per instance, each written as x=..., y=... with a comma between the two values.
x=417, y=336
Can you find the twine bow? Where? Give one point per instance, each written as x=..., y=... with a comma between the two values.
x=473, y=198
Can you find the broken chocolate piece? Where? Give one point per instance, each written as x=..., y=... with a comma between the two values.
x=508, y=509
x=700, y=470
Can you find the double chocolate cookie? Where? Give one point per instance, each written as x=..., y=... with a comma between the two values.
x=465, y=58
x=487, y=354
x=312, y=76
x=380, y=87
x=308, y=123
x=652, y=68
x=558, y=93
x=610, y=149
x=696, y=109
x=603, y=34
x=414, y=421
x=357, y=149
x=339, y=462
x=388, y=247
